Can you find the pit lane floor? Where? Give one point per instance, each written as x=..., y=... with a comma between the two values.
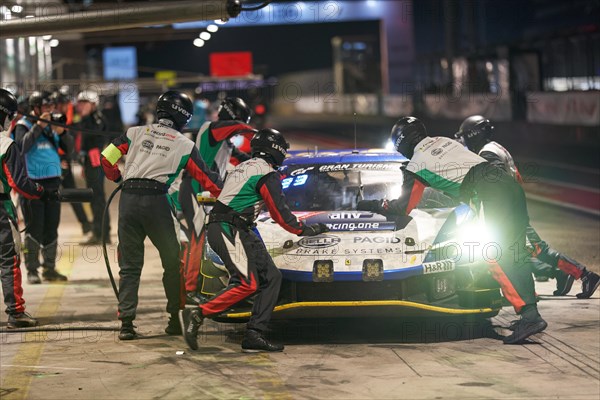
x=333, y=359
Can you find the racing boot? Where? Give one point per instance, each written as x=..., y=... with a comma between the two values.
x=127, y=331
x=21, y=320
x=589, y=283
x=31, y=252
x=564, y=282
x=255, y=342
x=530, y=323
x=49, y=253
x=194, y=298
x=174, y=326
x=191, y=320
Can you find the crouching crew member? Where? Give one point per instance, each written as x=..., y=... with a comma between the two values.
x=248, y=187
x=475, y=132
x=445, y=165
x=156, y=154
x=12, y=175
x=213, y=140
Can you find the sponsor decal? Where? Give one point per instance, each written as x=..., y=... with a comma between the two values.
x=319, y=242
x=331, y=251
x=349, y=215
x=353, y=226
x=360, y=166
x=181, y=110
x=388, y=250
x=301, y=171
x=438, y=266
x=279, y=148
x=160, y=147
x=376, y=240
x=436, y=152
x=147, y=144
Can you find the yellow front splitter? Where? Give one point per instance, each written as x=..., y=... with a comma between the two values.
x=376, y=308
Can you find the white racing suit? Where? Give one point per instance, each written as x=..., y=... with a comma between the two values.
x=248, y=187
x=497, y=155
x=156, y=154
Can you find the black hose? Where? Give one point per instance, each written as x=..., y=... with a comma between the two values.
x=104, y=233
x=256, y=8
x=60, y=329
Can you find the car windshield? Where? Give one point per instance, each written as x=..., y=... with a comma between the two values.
x=327, y=187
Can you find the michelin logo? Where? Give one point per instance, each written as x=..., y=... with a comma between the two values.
x=438, y=266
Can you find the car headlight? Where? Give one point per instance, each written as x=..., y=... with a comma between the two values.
x=372, y=270
x=474, y=232
x=323, y=271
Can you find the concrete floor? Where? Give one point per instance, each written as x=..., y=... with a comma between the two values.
x=332, y=359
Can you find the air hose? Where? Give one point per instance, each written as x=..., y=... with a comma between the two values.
x=104, y=234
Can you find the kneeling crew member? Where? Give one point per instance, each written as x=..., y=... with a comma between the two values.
x=446, y=165
x=475, y=132
x=250, y=185
x=156, y=154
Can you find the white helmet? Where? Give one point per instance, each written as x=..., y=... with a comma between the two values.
x=89, y=95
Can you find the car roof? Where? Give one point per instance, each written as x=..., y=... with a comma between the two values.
x=304, y=157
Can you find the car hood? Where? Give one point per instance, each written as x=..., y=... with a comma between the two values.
x=354, y=237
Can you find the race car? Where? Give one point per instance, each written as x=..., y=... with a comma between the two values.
x=425, y=263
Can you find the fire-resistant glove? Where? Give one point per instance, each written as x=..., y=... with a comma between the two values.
x=314, y=229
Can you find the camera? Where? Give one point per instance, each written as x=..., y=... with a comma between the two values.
x=58, y=117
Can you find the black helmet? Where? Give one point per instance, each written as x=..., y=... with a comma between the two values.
x=234, y=108
x=406, y=134
x=38, y=99
x=8, y=109
x=475, y=132
x=23, y=105
x=176, y=107
x=59, y=97
x=270, y=145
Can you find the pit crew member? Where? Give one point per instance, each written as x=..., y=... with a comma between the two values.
x=475, y=132
x=156, y=154
x=499, y=200
x=250, y=185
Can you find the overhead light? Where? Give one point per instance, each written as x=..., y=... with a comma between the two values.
x=205, y=36
x=198, y=42
x=212, y=28
x=16, y=8
x=47, y=37
x=29, y=16
x=54, y=43
x=220, y=22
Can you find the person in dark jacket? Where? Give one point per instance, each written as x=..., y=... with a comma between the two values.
x=40, y=144
x=90, y=147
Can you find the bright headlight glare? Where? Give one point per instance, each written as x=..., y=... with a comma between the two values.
x=474, y=232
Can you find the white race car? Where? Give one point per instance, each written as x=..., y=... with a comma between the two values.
x=426, y=263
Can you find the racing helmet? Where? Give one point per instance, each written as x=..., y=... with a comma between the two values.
x=175, y=106
x=475, y=132
x=60, y=98
x=89, y=95
x=270, y=145
x=234, y=108
x=8, y=109
x=406, y=134
x=38, y=99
